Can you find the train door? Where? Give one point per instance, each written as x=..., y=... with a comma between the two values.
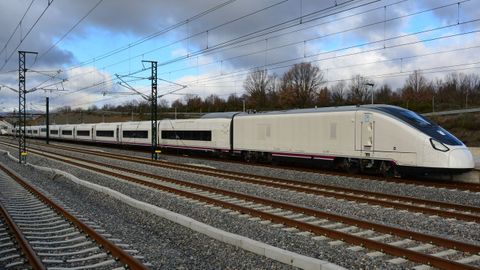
x=365, y=130
x=93, y=134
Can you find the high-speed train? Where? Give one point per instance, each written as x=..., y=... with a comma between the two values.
x=379, y=138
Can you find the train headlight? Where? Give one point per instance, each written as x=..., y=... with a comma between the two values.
x=438, y=145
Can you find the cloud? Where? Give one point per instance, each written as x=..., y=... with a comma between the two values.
x=114, y=24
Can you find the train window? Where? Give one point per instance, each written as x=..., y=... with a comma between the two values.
x=83, y=132
x=143, y=134
x=54, y=131
x=29, y=131
x=67, y=132
x=35, y=132
x=422, y=124
x=43, y=130
x=105, y=133
x=189, y=135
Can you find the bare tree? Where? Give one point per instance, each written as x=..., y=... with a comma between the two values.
x=417, y=88
x=384, y=94
x=194, y=103
x=323, y=98
x=300, y=85
x=256, y=85
x=338, y=93
x=468, y=85
x=359, y=91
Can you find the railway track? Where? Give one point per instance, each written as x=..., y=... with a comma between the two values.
x=403, y=245
x=425, y=182
x=48, y=235
x=421, y=182
x=443, y=209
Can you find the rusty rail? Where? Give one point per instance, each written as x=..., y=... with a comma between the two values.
x=120, y=254
x=34, y=261
x=356, y=240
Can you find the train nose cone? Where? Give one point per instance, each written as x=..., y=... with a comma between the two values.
x=461, y=159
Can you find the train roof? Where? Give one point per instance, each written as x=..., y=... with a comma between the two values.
x=220, y=115
x=297, y=111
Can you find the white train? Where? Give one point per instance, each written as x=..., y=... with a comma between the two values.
x=380, y=138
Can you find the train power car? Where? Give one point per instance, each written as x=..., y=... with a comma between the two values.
x=372, y=137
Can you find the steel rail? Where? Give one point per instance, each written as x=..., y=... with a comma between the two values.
x=120, y=254
x=356, y=240
x=32, y=257
x=381, y=199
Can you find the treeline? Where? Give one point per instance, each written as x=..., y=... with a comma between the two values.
x=304, y=86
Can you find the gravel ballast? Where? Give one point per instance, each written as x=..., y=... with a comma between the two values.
x=275, y=236
x=454, y=229
x=165, y=245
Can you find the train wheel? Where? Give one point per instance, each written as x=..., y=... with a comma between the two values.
x=350, y=166
x=388, y=170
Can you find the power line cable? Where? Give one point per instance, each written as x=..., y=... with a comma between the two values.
x=17, y=27
x=26, y=35
x=244, y=72
x=70, y=30
x=235, y=40
x=153, y=35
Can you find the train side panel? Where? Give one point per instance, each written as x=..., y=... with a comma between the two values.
x=195, y=134
x=67, y=132
x=303, y=135
x=107, y=133
x=55, y=131
x=136, y=133
x=84, y=132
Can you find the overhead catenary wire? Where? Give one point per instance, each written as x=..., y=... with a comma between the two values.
x=346, y=3
x=19, y=24
x=236, y=40
x=315, y=38
x=282, y=63
x=153, y=35
x=26, y=35
x=273, y=65
x=70, y=30
x=289, y=26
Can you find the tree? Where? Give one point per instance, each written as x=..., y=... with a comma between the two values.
x=234, y=103
x=417, y=90
x=300, y=85
x=214, y=103
x=256, y=85
x=384, y=95
x=323, y=98
x=194, y=103
x=359, y=90
x=338, y=93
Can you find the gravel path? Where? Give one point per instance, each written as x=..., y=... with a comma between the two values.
x=275, y=236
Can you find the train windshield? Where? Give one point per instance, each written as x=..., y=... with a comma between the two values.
x=431, y=129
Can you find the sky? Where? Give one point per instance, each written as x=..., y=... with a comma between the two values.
x=87, y=48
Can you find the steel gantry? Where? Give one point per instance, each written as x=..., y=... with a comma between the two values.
x=153, y=114
x=22, y=113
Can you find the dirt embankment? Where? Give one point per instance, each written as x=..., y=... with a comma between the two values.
x=466, y=127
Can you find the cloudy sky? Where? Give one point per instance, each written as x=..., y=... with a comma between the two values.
x=209, y=46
